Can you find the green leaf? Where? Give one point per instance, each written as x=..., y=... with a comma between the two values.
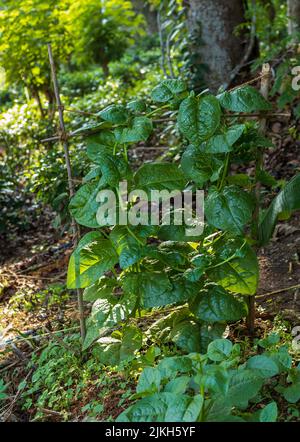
x=282, y=359
x=193, y=409
x=159, y=176
x=244, y=99
x=214, y=304
x=199, y=166
x=93, y=256
x=172, y=232
x=105, y=314
x=240, y=274
x=160, y=407
x=186, y=335
x=167, y=90
x=229, y=210
x=244, y=385
x=127, y=247
x=269, y=413
x=149, y=381
x=219, y=350
x=132, y=341
x=169, y=367
x=83, y=206
x=137, y=106
x=178, y=385
x=151, y=286
x=199, y=118
x=269, y=341
x=239, y=179
x=101, y=289
x=120, y=351
x=288, y=200
x=95, y=172
x=115, y=114
x=223, y=143
x=292, y=393
x=263, y=365
x=208, y=333
x=139, y=130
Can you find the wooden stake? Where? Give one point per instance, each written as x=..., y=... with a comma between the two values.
x=264, y=90
x=63, y=138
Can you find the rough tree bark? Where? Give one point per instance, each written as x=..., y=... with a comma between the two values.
x=219, y=49
x=293, y=16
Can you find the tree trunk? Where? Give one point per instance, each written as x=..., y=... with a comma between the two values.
x=212, y=23
x=293, y=16
x=150, y=14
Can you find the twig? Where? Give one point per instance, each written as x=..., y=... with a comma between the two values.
x=60, y=341
x=51, y=412
x=254, y=80
x=64, y=141
x=8, y=410
x=275, y=292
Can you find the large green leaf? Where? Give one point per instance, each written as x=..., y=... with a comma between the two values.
x=114, y=351
x=178, y=233
x=269, y=413
x=167, y=90
x=199, y=118
x=286, y=201
x=264, y=366
x=163, y=407
x=127, y=246
x=244, y=385
x=229, y=210
x=105, y=314
x=199, y=166
x=219, y=350
x=102, y=288
x=240, y=274
x=139, y=130
x=292, y=393
x=93, y=256
x=223, y=143
x=83, y=206
x=149, y=381
x=115, y=114
x=186, y=335
x=151, y=286
x=244, y=99
x=214, y=304
x=159, y=176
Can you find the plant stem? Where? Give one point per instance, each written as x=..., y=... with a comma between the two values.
x=225, y=170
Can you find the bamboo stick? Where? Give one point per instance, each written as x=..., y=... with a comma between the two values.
x=63, y=138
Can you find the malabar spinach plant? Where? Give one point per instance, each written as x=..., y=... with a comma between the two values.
x=218, y=386
x=129, y=270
